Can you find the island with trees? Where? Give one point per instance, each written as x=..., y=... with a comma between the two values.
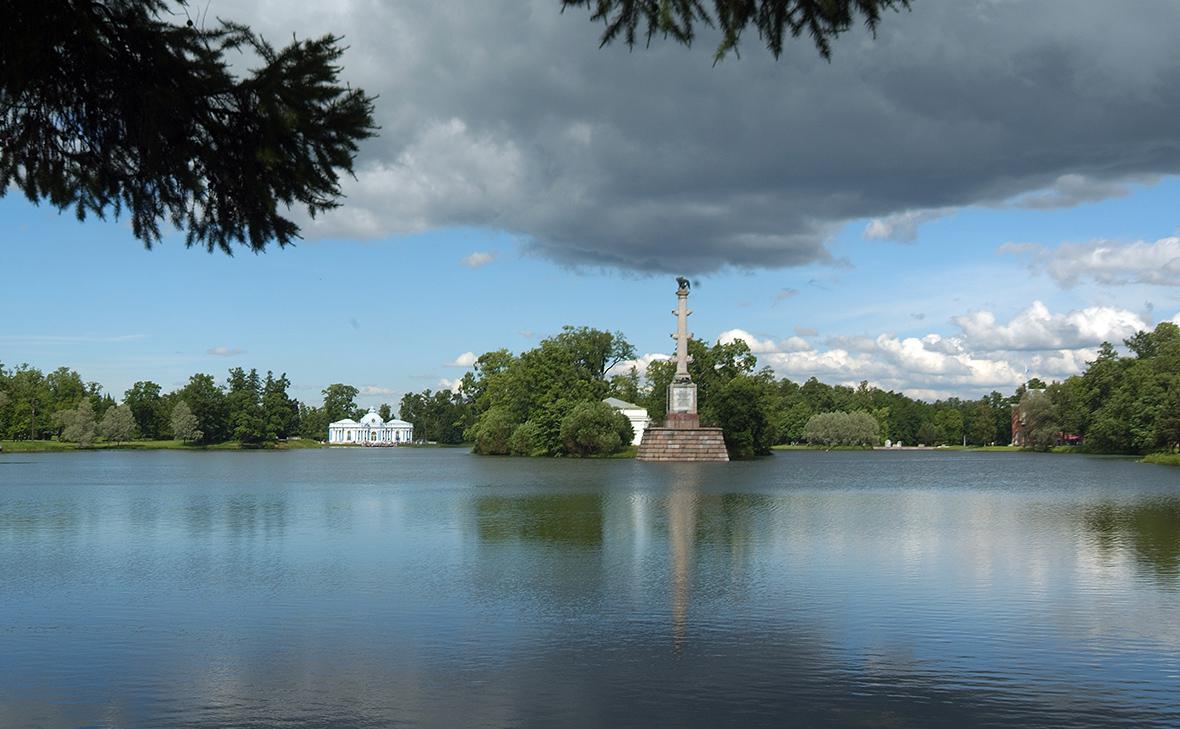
x=547, y=401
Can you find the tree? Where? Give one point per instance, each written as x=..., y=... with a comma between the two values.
x=842, y=429
x=1040, y=420
x=280, y=410
x=184, y=423
x=493, y=432
x=739, y=407
x=385, y=412
x=246, y=417
x=773, y=20
x=78, y=424
x=594, y=428
x=118, y=424
x=339, y=403
x=208, y=404
x=107, y=107
x=147, y=407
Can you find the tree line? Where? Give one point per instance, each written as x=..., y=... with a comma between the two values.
x=547, y=401
x=517, y=403
x=246, y=407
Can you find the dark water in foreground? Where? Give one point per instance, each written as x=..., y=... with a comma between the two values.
x=430, y=587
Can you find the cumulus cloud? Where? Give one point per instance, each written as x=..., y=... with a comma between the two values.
x=640, y=363
x=464, y=360
x=478, y=259
x=763, y=346
x=563, y=144
x=454, y=385
x=224, y=351
x=1107, y=262
x=985, y=354
x=1036, y=328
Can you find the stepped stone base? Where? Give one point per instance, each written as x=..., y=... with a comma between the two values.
x=682, y=444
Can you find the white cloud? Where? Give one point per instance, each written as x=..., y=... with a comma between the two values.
x=757, y=346
x=764, y=346
x=1036, y=328
x=1108, y=262
x=464, y=360
x=987, y=354
x=903, y=227
x=374, y=390
x=454, y=385
x=478, y=259
x=224, y=351
x=640, y=363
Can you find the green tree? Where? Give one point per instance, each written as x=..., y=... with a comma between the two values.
x=1040, y=420
x=185, y=425
x=493, y=432
x=385, y=412
x=247, y=419
x=339, y=403
x=208, y=404
x=117, y=424
x=147, y=407
x=842, y=429
x=594, y=428
x=280, y=410
x=108, y=106
x=739, y=407
x=78, y=424
x=773, y=20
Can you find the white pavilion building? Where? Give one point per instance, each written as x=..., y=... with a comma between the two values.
x=370, y=431
x=637, y=415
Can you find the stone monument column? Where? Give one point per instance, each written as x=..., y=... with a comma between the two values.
x=682, y=393
x=682, y=438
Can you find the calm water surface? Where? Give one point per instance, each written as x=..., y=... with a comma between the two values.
x=433, y=588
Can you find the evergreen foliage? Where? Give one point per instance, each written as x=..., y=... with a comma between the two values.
x=109, y=106
x=773, y=20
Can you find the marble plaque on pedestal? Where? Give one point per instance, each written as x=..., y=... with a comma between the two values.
x=682, y=398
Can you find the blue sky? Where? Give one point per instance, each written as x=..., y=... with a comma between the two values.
x=984, y=192
x=392, y=314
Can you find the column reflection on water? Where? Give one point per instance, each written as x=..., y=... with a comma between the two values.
x=682, y=519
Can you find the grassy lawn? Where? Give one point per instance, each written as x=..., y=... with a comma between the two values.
x=1164, y=459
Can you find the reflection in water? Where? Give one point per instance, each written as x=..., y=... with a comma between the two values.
x=1151, y=527
x=428, y=587
x=681, y=534
x=573, y=518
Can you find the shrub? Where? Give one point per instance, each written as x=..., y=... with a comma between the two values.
x=595, y=428
x=842, y=429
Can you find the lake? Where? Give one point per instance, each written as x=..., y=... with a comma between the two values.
x=430, y=587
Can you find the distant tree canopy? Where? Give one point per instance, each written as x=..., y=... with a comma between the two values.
x=774, y=20
x=110, y=106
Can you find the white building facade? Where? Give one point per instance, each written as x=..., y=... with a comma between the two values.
x=637, y=415
x=370, y=431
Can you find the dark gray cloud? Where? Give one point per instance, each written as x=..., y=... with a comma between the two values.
x=506, y=114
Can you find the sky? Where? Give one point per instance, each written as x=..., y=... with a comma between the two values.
x=983, y=193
